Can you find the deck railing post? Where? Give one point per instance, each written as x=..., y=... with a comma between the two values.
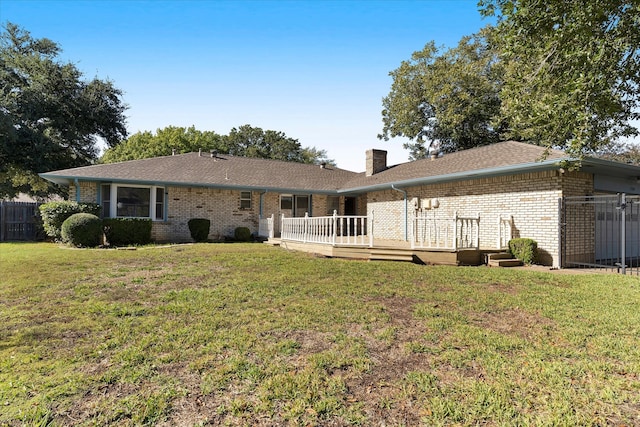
x=283, y=231
x=455, y=231
x=305, y=228
x=335, y=227
x=477, y=234
x=370, y=229
x=414, y=229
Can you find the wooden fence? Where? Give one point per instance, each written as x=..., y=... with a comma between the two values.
x=18, y=221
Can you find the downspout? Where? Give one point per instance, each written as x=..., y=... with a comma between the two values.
x=261, y=203
x=77, y=184
x=406, y=230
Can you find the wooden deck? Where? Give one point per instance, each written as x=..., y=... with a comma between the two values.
x=388, y=250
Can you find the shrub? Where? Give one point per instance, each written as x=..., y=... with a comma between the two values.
x=524, y=249
x=82, y=230
x=127, y=231
x=199, y=229
x=55, y=213
x=242, y=234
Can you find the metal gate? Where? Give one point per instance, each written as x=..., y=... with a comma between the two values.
x=601, y=232
x=18, y=221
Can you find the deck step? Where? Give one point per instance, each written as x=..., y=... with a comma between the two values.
x=391, y=255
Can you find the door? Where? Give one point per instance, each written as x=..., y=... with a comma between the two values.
x=301, y=206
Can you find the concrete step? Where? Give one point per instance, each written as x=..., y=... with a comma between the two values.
x=504, y=262
x=499, y=255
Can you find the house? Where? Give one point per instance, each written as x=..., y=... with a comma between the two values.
x=474, y=199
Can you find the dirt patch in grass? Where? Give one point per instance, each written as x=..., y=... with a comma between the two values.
x=378, y=388
x=520, y=323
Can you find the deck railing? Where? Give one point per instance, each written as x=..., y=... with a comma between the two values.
x=266, y=227
x=329, y=230
x=431, y=232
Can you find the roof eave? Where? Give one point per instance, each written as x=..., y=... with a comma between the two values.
x=68, y=180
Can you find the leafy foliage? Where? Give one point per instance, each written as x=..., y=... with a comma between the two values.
x=621, y=152
x=127, y=231
x=524, y=249
x=55, y=213
x=572, y=70
x=246, y=141
x=82, y=230
x=50, y=118
x=164, y=142
x=446, y=101
x=242, y=234
x=199, y=229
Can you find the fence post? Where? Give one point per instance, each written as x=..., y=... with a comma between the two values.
x=2, y=220
x=623, y=233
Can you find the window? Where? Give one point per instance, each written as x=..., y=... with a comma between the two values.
x=245, y=200
x=159, y=204
x=105, y=200
x=132, y=201
x=298, y=205
x=286, y=203
x=333, y=204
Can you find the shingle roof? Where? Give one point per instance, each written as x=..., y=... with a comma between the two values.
x=222, y=171
x=251, y=173
x=485, y=160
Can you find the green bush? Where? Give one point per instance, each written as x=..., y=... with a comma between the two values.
x=524, y=249
x=127, y=231
x=242, y=234
x=55, y=213
x=199, y=229
x=82, y=230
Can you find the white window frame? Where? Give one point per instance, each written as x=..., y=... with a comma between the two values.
x=245, y=199
x=113, y=201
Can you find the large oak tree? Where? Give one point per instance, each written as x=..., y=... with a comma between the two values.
x=572, y=70
x=446, y=100
x=50, y=117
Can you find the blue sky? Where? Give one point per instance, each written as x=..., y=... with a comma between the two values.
x=315, y=70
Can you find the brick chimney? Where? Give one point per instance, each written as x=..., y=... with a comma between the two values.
x=376, y=161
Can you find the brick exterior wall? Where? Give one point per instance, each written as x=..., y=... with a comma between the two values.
x=532, y=199
x=221, y=207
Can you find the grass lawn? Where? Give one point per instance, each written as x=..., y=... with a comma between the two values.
x=246, y=334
